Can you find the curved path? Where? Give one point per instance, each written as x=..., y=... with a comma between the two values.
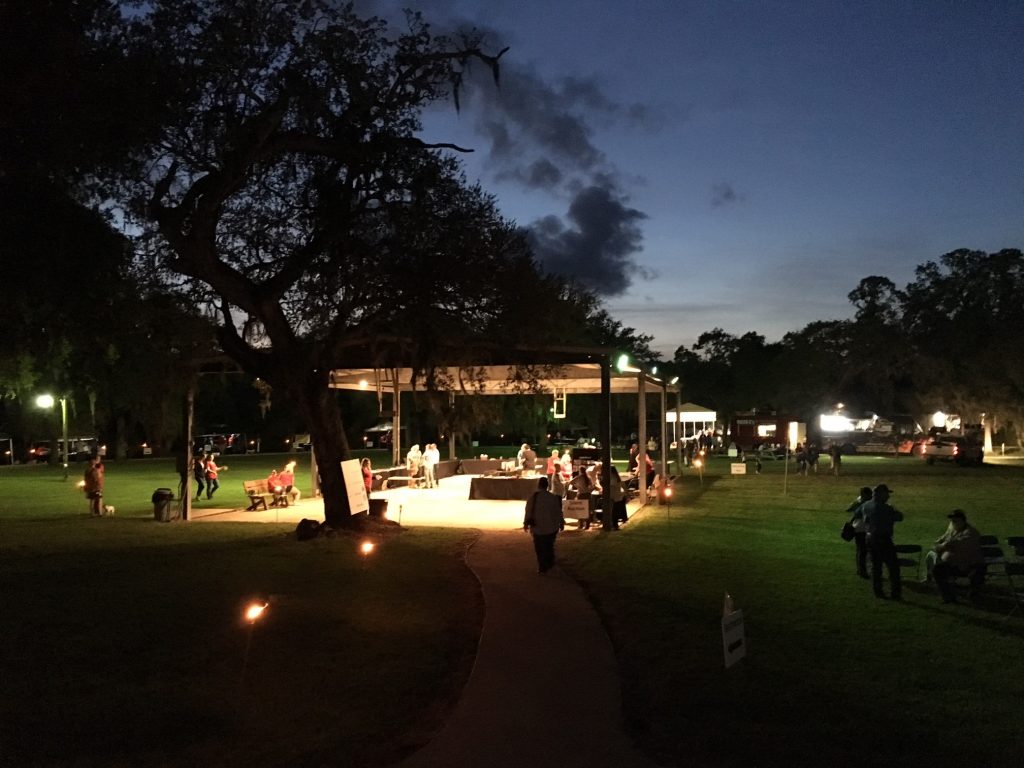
x=544, y=690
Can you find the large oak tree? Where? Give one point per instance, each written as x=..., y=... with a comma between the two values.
x=291, y=186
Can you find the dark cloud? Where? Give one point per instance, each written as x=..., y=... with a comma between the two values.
x=596, y=249
x=723, y=194
x=540, y=133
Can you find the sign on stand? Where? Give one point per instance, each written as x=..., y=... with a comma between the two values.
x=738, y=468
x=734, y=644
x=358, y=501
x=577, y=509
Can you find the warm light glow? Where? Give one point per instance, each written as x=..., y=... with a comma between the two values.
x=287, y=441
x=254, y=612
x=81, y=483
x=832, y=422
x=363, y=384
x=45, y=401
x=698, y=463
x=938, y=419
x=668, y=492
x=366, y=547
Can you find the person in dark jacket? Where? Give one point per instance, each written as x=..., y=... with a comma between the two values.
x=860, y=532
x=543, y=518
x=881, y=517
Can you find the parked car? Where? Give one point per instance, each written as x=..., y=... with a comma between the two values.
x=222, y=442
x=962, y=450
x=39, y=451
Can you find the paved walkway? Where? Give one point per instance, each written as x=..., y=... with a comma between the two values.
x=544, y=690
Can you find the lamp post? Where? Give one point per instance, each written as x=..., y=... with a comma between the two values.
x=47, y=401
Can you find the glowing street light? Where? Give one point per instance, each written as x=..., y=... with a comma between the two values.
x=47, y=401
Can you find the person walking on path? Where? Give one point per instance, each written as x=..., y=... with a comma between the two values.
x=211, y=476
x=544, y=520
x=93, y=485
x=860, y=532
x=881, y=518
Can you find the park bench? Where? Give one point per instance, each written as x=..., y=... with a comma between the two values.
x=259, y=493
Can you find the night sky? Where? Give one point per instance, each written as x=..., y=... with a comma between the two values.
x=744, y=165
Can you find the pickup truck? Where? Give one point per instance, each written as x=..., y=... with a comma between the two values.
x=962, y=450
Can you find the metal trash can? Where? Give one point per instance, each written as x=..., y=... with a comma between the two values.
x=162, y=498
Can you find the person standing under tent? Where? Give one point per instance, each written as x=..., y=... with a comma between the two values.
x=431, y=457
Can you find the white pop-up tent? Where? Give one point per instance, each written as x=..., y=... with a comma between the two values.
x=688, y=419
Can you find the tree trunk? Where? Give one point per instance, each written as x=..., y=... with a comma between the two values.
x=319, y=406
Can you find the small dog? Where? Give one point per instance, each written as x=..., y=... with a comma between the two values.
x=108, y=510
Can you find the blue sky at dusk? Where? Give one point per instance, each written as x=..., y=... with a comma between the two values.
x=744, y=165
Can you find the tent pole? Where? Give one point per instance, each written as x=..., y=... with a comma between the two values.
x=605, y=435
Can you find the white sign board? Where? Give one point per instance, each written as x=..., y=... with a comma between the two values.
x=734, y=643
x=577, y=509
x=738, y=468
x=358, y=501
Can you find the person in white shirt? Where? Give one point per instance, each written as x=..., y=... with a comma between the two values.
x=431, y=456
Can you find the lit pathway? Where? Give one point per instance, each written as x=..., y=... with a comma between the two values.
x=544, y=690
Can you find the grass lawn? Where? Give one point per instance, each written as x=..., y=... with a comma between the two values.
x=123, y=642
x=833, y=676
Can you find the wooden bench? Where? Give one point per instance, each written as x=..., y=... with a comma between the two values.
x=259, y=493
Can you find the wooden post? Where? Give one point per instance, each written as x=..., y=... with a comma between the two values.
x=605, y=435
x=641, y=458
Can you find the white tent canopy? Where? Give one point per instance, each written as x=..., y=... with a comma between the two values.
x=691, y=419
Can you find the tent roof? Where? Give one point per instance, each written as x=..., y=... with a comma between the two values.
x=572, y=378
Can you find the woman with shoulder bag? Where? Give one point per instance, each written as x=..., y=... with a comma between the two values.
x=860, y=531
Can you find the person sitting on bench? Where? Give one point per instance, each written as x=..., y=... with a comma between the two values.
x=957, y=552
x=286, y=479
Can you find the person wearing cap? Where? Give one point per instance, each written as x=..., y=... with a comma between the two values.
x=860, y=532
x=957, y=552
x=881, y=517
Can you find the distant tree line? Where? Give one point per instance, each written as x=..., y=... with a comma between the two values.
x=949, y=340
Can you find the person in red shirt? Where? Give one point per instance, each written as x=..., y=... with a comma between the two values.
x=286, y=478
x=367, y=471
x=211, y=476
x=93, y=485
